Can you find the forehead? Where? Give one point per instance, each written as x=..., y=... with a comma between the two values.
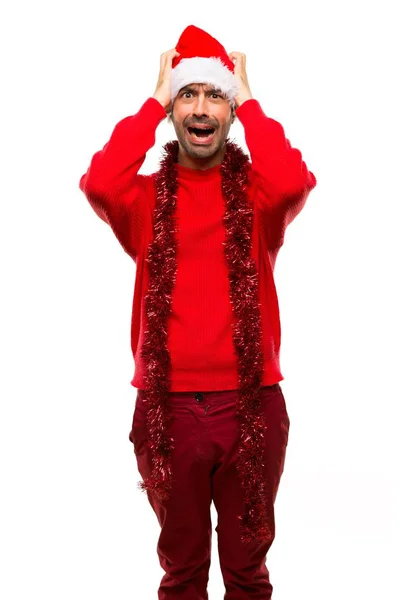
x=207, y=87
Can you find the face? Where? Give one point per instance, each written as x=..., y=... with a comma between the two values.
x=202, y=105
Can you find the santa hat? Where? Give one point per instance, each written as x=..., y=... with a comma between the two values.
x=202, y=60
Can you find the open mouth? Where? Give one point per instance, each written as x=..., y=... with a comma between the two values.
x=201, y=135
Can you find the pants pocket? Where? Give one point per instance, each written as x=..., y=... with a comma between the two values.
x=138, y=432
x=275, y=394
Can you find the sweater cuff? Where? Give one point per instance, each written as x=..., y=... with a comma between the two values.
x=154, y=108
x=250, y=110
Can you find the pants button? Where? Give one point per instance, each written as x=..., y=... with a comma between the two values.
x=198, y=396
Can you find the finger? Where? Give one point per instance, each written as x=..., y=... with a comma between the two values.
x=171, y=58
x=166, y=55
x=172, y=54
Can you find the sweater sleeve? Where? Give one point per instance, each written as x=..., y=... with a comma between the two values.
x=280, y=178
x=112, y=185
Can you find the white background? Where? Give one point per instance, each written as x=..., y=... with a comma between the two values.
x=337, y=75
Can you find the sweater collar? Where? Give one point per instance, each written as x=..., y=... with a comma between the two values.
x=198, y=174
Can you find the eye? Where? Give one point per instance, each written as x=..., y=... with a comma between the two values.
x=184, y=94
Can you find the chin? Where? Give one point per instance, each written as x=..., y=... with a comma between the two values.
x=201, y=151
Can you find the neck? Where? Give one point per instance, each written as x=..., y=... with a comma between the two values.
x=192, y=162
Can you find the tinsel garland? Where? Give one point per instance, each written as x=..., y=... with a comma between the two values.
x=247, y=334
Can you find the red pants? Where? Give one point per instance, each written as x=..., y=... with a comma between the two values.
x=205, y=431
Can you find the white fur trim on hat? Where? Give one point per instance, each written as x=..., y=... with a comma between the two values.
x=200, y=69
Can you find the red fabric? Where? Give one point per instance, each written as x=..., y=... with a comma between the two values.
x=205, y=428
x=195, y=42
x=200, y=334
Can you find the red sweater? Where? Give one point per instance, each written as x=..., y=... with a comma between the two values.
x=200, y=333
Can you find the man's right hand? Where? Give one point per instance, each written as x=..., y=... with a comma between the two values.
x=163, y=90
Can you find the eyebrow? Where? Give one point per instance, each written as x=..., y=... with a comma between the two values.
x=188, y=88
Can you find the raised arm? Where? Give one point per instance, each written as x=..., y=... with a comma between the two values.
x=281, y=181
x=280, y=177
x=112, y=185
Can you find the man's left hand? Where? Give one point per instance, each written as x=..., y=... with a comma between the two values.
x=240, y=72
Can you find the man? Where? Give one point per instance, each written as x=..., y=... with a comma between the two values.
x=210, y=420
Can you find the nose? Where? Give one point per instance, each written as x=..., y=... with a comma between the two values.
x=200, y=106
